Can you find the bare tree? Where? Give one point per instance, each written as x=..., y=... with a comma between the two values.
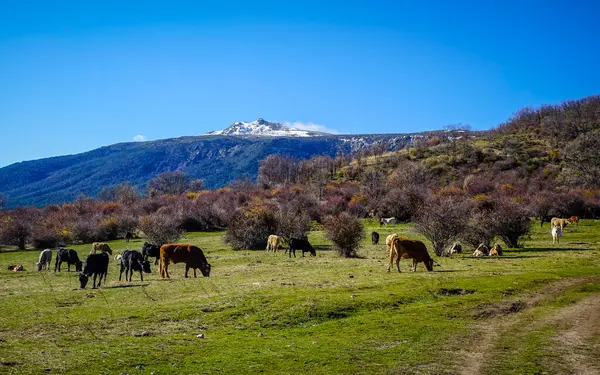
x=160, y=228
x=442, y=219
x=277, y=170
x=168, y=183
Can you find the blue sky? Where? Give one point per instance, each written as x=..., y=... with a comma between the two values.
x=77, y=75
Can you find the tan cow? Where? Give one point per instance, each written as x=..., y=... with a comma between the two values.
x=273, y=243
x=388, y=241
x=409, y=249
x=496, y=250
x=558, y=222
x=100, y=247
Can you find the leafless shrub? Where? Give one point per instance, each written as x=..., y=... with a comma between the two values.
x=346, y=232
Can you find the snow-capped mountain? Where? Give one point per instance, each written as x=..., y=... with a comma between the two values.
x=264, y=128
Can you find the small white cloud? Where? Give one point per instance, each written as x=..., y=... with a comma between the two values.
x=310, y=127
x=139, y=138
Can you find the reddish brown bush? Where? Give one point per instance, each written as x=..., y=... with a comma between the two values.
x=346, y=232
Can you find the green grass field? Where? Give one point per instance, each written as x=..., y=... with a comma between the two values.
x=266, y=313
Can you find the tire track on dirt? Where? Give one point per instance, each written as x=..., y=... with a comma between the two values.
x=506, y=316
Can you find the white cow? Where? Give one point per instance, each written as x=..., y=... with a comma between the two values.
x=45, y=260
x=388, y=220
x=556, y=234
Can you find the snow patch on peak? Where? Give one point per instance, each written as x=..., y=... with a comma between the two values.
x=262, y=127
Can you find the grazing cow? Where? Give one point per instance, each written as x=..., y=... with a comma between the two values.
x=375, y=238
x=558, y=222
x=16, y=267
x=301, y=244
x=192, y=256
x=151, y=250
x=45, y=260
x=556, y=234
x=97, y=265
x=574, y=220
x=481, y=250
x=133, y=260
x=98, y=247
x=387, y=220
x=68, y=256
x=409, y=249
x=128, y=236
x=388, y=241
x=273, y=243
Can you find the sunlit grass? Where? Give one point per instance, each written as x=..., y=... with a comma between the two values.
x=269, y=313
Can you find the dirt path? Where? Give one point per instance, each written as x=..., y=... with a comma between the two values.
x=584, y=318
x=574, y=344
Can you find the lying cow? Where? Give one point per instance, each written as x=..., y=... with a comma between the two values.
x=45, y=260
x=375, y=238
x=496, y=250
x=97, y=265
x=387, y=220
x=133, y=260
x=273, y=243
x=482, y=250
x=409, y=249
x=301, y=244
x=151, y=250
x=558, y=222
x=556, y=234
x=16, y=267
x=100, y=247
x=192, y=256
x=456, y=248
x=68, y=256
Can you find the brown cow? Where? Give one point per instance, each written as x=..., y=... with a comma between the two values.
x=574, y=219
x=100, y=247
x=191, y=255
x=409, y=249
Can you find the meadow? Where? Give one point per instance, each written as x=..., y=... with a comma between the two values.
x=534, y=310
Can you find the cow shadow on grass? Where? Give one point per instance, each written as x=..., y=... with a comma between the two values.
x=126, y=286
x=323, y=248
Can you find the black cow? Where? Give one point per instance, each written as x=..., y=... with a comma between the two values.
x=304, y=245
x=132, y=260
x=375, y=238
x=128, y=236
x=95, y=264
x=151, y=250
x=68, y=256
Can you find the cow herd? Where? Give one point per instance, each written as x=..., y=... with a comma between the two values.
x=96, y=263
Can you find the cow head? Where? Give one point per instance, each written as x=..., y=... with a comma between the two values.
x=39, y=266
x=78, y=266
x=312, y=251
x=83, y=280
x=205, y=269
x=146, y=266
x=428, y=264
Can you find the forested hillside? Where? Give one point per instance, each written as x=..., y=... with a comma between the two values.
x=454, y=185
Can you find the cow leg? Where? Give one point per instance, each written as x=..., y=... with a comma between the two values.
x=121, y=273
x=414, y=265
x=391, y=260
x=156, y=262
x=94, y=286
x=187, y=268
x=194, y=273
x=141, y=276
x=398, y=262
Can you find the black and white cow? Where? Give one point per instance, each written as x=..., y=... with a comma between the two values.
x=68, y=256
x=132, y=260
